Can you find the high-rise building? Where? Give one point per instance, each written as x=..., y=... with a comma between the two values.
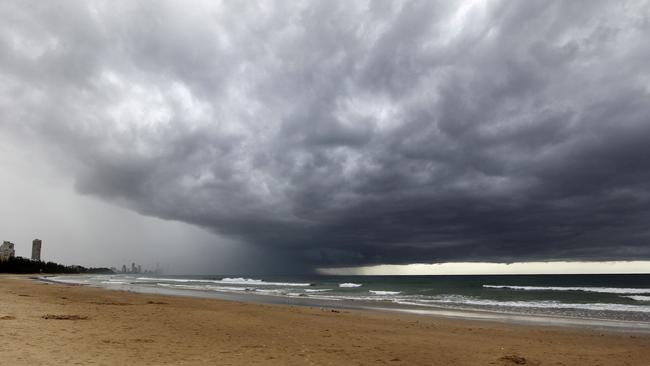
x=7, y=251
x=124, y=268
x=133, y=269
x=36, y=250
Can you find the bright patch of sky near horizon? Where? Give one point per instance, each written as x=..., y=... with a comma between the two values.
x=480, y=268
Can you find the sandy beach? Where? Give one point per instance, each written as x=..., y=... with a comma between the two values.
x=54, y=324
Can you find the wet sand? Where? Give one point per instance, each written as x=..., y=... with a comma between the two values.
x=54, y=324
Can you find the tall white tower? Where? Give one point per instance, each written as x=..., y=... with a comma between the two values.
x=36, y=250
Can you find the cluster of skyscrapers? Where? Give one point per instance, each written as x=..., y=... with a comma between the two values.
x=135, y=268
x=8, y=251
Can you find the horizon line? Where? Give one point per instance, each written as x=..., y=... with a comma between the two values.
x=494, y=268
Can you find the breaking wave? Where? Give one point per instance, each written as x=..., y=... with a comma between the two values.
x=547, y=304
x=249, y=281
x=385, y=292
x=639, y=298
x=604, y=290
x=227, y=280
x=349, y=284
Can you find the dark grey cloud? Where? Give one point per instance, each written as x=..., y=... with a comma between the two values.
x=349, y=133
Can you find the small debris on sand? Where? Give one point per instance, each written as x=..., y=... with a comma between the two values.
x=64, y=317
x=142, y=340
x=110, y=341
x=156, y=302
x=7, y=317
x=514, y=359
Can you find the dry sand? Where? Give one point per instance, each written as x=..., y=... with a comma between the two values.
x=52, y=324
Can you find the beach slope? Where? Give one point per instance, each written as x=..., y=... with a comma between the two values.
x=54, y=324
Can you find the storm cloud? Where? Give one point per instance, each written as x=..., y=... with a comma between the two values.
x=349, y=132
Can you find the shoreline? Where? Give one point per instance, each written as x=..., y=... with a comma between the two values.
x=56, y=324
x=514, y=318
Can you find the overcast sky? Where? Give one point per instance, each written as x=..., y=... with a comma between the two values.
x=240, y=135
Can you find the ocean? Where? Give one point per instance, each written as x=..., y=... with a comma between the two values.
x=608, y=300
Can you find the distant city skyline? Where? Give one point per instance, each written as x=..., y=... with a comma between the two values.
x=136, y=269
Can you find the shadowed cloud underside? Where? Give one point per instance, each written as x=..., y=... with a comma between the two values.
x=345, y=133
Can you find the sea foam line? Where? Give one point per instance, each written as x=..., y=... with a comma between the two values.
x=531, y=304
x=385, y=292
x=227, y=280
x=605, y=290
x=250, y=281
x=639, y=298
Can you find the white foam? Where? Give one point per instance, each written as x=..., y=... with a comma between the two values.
x=545, y=304
x=639, y=298
x=318, y=289
x=227, y=280
x=349, y=284
x=113, y=282
x=187, y=287
x=250, y=281
x=606, y=290
x=230, y=288
x=385, y=292
x=459, y=301
x=168, y=280
x=321, y=297
x=208, y=287
x=373, y=298
x=267, y=291
x=74, y=281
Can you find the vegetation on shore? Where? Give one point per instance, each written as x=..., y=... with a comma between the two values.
x=24, y=265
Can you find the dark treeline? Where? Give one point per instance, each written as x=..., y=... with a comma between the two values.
x=24, y=265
